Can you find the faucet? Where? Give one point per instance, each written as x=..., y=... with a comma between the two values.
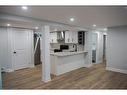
x=75, y=45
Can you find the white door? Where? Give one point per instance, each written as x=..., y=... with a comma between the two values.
x=20, y=46
x=68, y=37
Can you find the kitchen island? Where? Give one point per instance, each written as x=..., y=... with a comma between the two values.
x=62, y=62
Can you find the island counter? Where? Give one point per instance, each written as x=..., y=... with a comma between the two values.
x=62, y=62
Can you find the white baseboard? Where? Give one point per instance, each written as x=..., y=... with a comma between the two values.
x=9, y=70
x=116, y=70
x=31, y=66
x=99, y=62
x=87, y=65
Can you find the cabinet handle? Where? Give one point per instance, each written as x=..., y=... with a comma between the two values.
x=14, y=52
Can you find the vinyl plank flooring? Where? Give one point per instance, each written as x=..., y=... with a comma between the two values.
x=95, y=77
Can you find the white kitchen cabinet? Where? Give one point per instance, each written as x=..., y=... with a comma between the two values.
x=53, y=37
x=71, y=37
x=74, y=37
x=67, y=37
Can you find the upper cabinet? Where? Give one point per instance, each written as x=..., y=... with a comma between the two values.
x=71, y=37
x=53, y=37
x=75, y=37
x=81, y=37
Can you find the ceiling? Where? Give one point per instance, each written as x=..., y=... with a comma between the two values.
x=85, y=16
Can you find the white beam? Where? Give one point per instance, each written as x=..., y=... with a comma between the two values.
x=45, y=53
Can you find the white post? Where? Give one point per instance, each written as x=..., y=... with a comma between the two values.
x=88, y=47
x=45, y=53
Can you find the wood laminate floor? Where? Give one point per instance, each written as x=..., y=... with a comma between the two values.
x=95, y=77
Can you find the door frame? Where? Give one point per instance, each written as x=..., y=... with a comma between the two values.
x=96, y=55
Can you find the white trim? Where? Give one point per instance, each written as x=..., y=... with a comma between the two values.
x=99, y=62
x=9, y=70
x=87, y=65
x=32, y=65
x=116, y=70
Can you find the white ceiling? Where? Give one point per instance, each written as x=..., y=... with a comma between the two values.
x=85, y=16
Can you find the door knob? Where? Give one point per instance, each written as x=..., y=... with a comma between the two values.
x=14, y=52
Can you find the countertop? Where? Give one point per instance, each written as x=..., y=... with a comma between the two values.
x=67, y=53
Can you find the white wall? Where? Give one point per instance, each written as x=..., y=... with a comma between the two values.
x=117, y=49
x=3, y=48
x=88, y=47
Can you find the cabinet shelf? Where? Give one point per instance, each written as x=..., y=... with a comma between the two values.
x=81, y=37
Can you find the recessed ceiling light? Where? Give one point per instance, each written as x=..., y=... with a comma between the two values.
x=24, y=7
x=36, y=27
x=94, y=25
x=72, y=19
x=8, y=24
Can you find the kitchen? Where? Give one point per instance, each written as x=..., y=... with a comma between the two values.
x=62, y=50
x=67, y=50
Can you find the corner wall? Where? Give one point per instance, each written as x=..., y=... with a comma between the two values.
x=3, y=48
x=117, y=49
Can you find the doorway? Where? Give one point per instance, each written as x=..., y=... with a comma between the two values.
x=104, y=47
x=94, y=47
x=37, y=50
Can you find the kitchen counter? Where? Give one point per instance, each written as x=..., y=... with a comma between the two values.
x=68, y=53
x=62, y=62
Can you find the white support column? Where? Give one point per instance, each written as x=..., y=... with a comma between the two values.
x=88, y=47
x=45, y=53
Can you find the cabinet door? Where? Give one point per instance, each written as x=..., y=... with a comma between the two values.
x=74, y=37
x=53, y=37
x=67, y=38
x=71, y=37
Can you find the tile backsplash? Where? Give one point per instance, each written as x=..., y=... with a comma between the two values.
x=57, y=46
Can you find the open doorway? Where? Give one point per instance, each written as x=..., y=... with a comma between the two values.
x=37, y=50
x=104, y=48
x=94, y=47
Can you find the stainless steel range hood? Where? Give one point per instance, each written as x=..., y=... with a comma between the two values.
x=61, y=36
